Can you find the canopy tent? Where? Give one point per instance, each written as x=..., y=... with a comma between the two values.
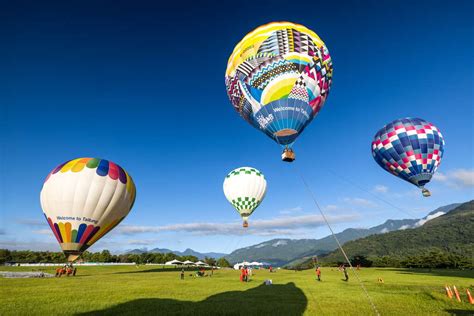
x=173, y=262
x=200, y=263
x=253, y=264
x=188, y=262
x=238, y=266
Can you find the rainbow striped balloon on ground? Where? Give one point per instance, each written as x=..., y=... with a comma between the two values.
x=278, y=78
x=245, y=188
x=409, y=148
x=83, y=199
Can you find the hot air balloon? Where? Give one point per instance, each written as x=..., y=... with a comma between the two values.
x=411, y=149
x=83, y=199
x=245, y=189
x=278, y=78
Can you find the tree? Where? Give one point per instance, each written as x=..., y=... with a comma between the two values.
x=223, y=263
x=210, y=261
x=105, y=256
x=5, y=256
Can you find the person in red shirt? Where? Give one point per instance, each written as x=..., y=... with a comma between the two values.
x=318, y=273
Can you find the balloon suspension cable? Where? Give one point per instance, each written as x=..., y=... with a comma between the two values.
x=372, y=194
x=339, y=244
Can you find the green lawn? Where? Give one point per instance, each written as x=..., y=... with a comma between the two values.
x=148, y=290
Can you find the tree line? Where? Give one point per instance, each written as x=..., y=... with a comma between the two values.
x=28, y=256
x=433, y=258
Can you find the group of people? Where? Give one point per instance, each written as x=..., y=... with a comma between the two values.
x=66, y=270
x=245, y=274
x=342, y=268
x=200, y=272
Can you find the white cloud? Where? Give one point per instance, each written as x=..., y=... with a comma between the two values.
x=30, y=245
x=441, y=177
x=464, y=177
x=142, y=242
x=31, y=222
x=428, y=218
x=42, y=232
x=291, y=210
x=403, y=227
x=269, y=227
x=380, y=188
x=459, y=178
x=331, y=207
x=360, y=202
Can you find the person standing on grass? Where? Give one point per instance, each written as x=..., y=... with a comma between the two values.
x=344, y=269
x=182, y=273
x=318, y=273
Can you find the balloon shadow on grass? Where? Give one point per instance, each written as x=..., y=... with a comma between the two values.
x=460, y=312
x=276, y=299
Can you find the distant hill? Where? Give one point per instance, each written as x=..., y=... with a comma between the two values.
x=452, y=232
x=187, y=252
x=294, y=251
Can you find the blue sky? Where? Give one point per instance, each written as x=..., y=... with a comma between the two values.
x=142, y=84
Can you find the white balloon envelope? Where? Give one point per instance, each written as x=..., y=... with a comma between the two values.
x=245, y=188
x=83, y=199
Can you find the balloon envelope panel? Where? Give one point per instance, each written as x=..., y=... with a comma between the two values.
x=278, y=78
x=245, y=189
x=409, y=148
x=83, y=199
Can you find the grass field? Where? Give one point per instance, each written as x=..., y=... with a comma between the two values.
x=151, y=290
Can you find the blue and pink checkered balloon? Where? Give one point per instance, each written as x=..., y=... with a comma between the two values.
x=409, y=148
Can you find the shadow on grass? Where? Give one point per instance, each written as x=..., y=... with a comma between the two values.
x=277, y=299
x=435, y=272
x=460, y=312
x=146, y=270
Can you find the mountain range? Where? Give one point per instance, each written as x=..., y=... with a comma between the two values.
x=291, y=252
x=451, y=233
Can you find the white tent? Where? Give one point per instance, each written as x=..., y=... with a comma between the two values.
x=200, y=263
x=254, y=264
x=173, y=262
x=188, y=262
x=237, y=266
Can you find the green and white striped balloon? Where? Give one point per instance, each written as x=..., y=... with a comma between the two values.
x=245, y=188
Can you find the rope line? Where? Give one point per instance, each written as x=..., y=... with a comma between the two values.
x=339, y=244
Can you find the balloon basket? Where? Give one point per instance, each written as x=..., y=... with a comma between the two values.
x=72, y=258
x=288, y=155
x=426, y=193
x=245, y=224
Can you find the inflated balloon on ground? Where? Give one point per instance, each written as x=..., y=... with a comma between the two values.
x=83, y=199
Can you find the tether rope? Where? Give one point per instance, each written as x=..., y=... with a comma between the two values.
x=339, y=245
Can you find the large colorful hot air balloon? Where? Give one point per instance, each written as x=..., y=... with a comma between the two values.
x=245, y=189
x=83, y=199
x=409, y=148
x=278, y=78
